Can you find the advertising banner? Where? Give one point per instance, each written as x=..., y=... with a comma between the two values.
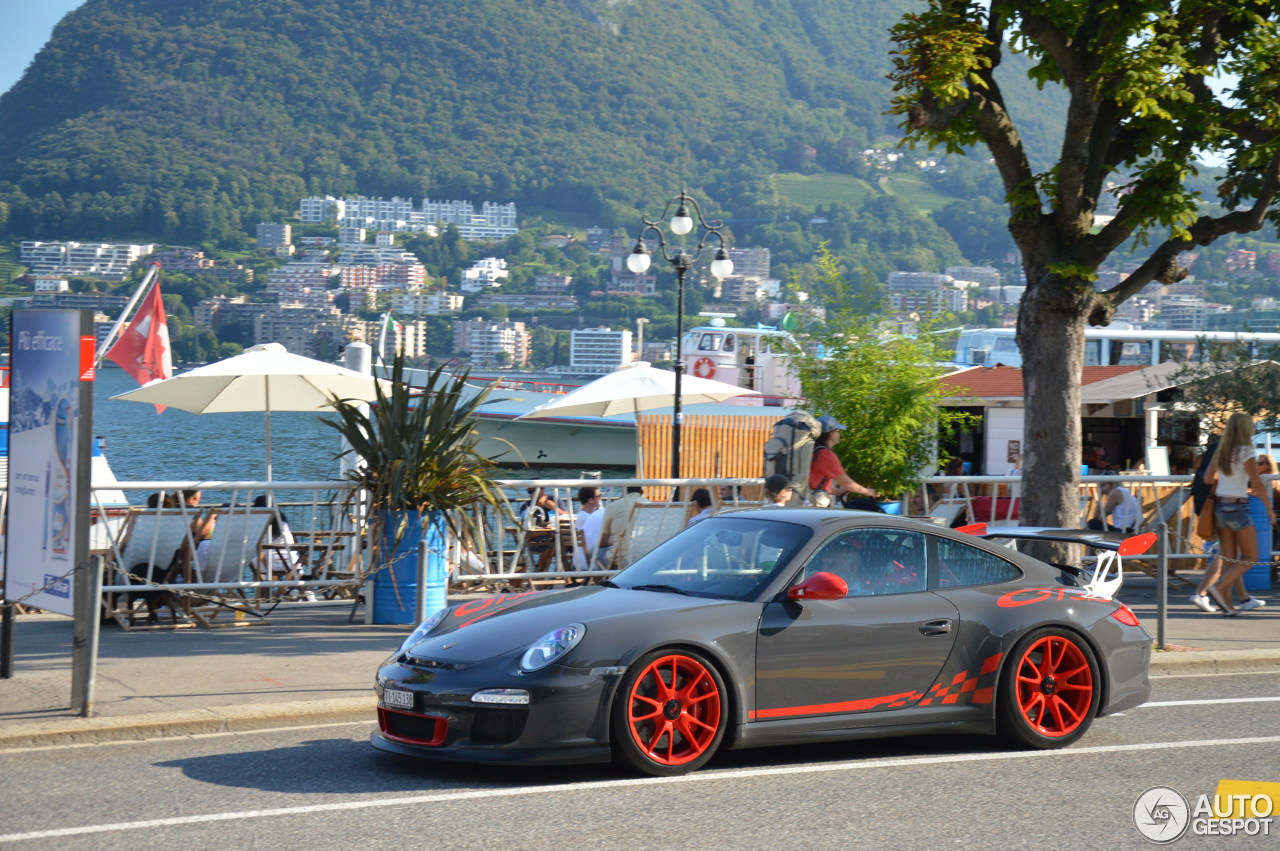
x=50, y=425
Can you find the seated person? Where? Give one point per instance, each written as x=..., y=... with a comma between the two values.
x=202, y=527
x=282, y=559
x=778, y=491
x=540, y=517
x=701, y=499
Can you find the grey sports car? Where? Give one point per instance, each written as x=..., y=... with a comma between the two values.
x=776, y=626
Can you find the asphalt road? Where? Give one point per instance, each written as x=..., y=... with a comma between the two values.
x=324, y=787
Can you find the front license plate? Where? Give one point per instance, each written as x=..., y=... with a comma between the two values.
x=397, y=698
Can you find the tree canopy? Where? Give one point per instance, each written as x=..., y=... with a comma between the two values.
x=1151, y=87
x=881, y=384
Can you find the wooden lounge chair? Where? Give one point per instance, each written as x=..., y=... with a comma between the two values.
x=154, y=547
x=229, y=556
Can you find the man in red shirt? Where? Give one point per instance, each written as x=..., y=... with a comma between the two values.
x=826, y=473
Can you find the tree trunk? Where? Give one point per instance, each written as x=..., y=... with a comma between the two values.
x=1051, y=326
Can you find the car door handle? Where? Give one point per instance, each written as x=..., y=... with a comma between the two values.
x=939, y=627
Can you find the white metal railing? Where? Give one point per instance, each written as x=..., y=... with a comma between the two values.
x=328, y=507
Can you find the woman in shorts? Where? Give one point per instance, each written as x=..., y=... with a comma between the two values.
x=1235, y=472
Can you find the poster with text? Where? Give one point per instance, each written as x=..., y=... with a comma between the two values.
x=50, y=425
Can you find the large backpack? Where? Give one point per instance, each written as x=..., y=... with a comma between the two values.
x=790, y=451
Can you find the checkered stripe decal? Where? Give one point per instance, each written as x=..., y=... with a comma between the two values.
x=962, y=688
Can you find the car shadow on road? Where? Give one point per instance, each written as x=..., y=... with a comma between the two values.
x=309, y=767
x=346, y=767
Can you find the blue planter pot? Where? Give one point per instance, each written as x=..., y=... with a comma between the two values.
x=395, y=585
x=1258, y=577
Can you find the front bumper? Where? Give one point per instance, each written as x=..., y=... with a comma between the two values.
x=565, y=721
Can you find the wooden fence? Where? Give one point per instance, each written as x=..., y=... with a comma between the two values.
x=712, y=446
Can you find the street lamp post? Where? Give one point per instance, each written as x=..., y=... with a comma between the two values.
x=681, y=260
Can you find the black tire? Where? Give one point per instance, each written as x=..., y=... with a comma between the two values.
x=670, y=713
x=1049, y=690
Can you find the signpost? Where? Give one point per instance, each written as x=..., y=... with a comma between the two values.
x=50, y=434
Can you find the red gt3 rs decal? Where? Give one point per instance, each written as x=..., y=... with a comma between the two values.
x=962, y=688
x=489, y=606
x=1027, y=596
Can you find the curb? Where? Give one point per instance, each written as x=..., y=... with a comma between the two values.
x=192, y=722
x=1169, y=663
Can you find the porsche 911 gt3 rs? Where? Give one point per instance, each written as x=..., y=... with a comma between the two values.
x=776, y=626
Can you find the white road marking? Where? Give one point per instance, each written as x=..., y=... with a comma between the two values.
x=1212, y=702
x=558, y=789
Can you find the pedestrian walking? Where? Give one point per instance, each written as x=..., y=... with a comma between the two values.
x=1233, y=471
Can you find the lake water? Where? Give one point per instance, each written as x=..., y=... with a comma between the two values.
x=178, y=446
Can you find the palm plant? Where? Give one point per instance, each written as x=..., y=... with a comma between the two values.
x=418, y=448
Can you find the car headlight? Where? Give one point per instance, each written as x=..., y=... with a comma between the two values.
x=552, y=646
x=422, y=630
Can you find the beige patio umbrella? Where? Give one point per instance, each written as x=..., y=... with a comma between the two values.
x=633, y=388
x=263, y=378
x=637, y=387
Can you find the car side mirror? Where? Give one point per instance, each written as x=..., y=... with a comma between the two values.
x=820, y=586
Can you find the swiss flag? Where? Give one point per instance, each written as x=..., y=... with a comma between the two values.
x=143, y=349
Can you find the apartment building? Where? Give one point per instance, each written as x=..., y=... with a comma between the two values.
x=386, y=276
x=598, y=351
x=492, y=343
x=490, y=221
x=484, y=273
x=189, y=261
x=274, y=234
x=404, y=337
x=750, y=262
x=314, y=332
x=426, y=303
x=82, y=259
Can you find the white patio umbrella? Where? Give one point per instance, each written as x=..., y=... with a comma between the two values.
x=633, y=388
x=263, y=378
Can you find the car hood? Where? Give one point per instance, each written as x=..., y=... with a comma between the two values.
x=494, y=626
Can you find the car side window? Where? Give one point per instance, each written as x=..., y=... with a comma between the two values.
x=873, y=561
x=961, y=565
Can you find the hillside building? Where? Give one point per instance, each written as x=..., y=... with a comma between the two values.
x=492, y=343
x=82, y=259
x=599, y=351
x=274, y=234
x=484, y=273
x=394, y=215
x=426, y=303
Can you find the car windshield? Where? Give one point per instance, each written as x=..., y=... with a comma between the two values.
x=730, y=558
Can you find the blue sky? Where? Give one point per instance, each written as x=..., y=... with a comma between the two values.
x=28, y=24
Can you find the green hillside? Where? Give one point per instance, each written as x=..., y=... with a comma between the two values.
x=195, y=119
x=915, y=193
x=810, y=191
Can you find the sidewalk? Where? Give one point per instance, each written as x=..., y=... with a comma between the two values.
x=311, y=666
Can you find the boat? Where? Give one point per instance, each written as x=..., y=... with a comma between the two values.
x=753, y=358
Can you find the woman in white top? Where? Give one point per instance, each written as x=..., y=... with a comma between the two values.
x=1235, y=472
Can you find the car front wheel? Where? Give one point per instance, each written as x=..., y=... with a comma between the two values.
x=670, y=713
x=1049, y=692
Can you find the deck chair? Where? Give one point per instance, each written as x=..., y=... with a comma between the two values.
x=154, y=547
x=1166, y=513
x=229, y=556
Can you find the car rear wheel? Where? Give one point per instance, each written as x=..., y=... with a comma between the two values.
x=1049, y=692
x=670, y=713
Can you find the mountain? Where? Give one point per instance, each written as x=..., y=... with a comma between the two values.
x=194, y=120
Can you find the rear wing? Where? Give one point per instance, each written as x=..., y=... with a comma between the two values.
x=1107, y=575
